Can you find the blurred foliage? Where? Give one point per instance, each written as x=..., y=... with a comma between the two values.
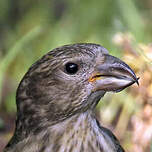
x=29, y=29
x=132, y=110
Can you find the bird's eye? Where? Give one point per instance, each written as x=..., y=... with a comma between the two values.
x=71, y=68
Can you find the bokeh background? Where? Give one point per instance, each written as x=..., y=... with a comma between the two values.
x=30, y=28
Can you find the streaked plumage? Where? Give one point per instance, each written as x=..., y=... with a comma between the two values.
x=57, y=97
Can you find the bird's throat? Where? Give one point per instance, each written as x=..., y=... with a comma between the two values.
x=79, y=133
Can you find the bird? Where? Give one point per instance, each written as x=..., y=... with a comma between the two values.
x=56, y=100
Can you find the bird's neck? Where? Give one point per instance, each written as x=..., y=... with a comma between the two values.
x=78, y=133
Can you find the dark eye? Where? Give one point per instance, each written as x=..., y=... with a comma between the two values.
x=71, y=68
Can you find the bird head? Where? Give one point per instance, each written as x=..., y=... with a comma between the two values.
x=68, y=80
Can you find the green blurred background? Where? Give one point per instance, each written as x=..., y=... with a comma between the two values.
x=30, y=28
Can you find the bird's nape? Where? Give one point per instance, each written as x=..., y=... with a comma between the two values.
x=57, y=96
